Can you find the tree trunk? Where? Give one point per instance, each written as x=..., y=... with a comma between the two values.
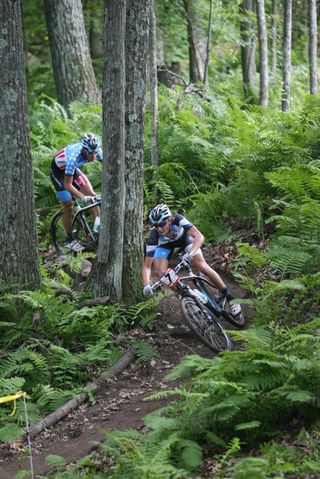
x=208, y=48
x=313, y=34
x=95, y=35
x=18, y=237
x=248, y=48
x=71, y=61
x=196, y=40
x=263, y=49
x=107, y=271
x=137, y=49
x=286, y=74
x=274, y=18
x=153, y=86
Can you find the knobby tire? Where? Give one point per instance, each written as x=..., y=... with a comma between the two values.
x=205, y=326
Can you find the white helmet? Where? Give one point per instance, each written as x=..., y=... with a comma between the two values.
x=159, y=214
x=90, y=143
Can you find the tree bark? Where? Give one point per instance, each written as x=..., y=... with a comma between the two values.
x=313, y=43
x=286, y=74
x=153, y=86
x=274, y=21
x=248, y=48
x=263, y=50
x=208, y=47
x=18, y=237
x=137, y=49
x=196, y=40
x=107, y=271
x=71, y=61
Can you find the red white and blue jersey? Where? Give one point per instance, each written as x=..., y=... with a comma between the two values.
x=70, y=158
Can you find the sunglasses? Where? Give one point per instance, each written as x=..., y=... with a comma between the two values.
x=161, y=225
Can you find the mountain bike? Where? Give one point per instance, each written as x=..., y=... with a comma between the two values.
x=82, y=228
x=201, y=310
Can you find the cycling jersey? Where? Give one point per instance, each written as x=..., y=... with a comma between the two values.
x=70, y=158
x=177, y=237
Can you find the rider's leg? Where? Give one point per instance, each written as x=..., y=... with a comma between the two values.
x=161, y=259
x=201, y=265
x=67, y=217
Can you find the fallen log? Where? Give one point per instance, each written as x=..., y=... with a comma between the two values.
x=93, y=302
x=72, y=404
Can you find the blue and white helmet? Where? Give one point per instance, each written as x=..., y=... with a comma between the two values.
x=90, y=143
x=159, y=214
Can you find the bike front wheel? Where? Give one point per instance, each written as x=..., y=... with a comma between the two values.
x=58, y=233
x=205, y=326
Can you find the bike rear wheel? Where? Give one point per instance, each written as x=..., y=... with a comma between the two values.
x=205, y=325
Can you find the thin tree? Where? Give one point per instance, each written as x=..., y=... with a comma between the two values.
x=107, y=274
x=18, y=236
x=137, y=50
x=274, y=21
x=206, y=63
x=153, y=86
x=313, y=43
x=248, y=47
x=263, y=50
x=287, y=40
x=71, y=61
x=196, y=40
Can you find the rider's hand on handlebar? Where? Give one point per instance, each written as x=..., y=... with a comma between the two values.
x=147, y=290
x=88, y=199
x=187, y=258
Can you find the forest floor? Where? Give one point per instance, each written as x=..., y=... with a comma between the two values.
x=121, y=403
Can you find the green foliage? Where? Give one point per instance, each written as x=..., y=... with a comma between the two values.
x=144, y=351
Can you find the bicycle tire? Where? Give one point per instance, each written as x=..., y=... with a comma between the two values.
x=205, y=325
x=58, y=233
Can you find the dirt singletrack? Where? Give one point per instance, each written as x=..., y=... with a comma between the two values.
x=121, y=403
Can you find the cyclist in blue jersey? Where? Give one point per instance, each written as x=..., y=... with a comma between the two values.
x=70, y=182
x=172, y=231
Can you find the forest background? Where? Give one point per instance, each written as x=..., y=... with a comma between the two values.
x=237, y=152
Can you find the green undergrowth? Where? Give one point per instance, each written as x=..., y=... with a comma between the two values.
x=51, y=349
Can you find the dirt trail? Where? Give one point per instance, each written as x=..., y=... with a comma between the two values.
x=120, y=405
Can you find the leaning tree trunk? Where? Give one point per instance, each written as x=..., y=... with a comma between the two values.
x=137, y=43
x=263, y=50
x=248, y=48
x=107, y=274
x=71, y=61
x=286, y=74
x=153, y=85
x=313, y=42
x=18, y=236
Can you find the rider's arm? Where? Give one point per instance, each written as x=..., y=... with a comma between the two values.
x=146, y=270
x=69, y=186
x=198, y=239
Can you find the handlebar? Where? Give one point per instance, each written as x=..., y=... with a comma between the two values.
x=183, y=265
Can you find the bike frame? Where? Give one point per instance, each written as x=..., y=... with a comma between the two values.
x=199, y=281
x=80, y=216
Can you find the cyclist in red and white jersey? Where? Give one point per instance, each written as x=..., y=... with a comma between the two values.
x=70, y=182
